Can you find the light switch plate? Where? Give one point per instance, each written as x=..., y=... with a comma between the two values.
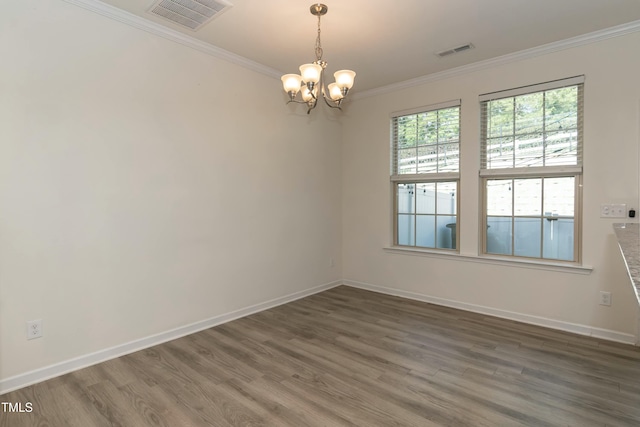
x=613, y=210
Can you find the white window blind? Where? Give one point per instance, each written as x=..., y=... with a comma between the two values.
x=426, y=140
x=533, y=128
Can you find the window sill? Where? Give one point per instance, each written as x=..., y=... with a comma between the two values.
x=519, y=263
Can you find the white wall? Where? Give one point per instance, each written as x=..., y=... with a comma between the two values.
x=556, y=298
x=145, y=186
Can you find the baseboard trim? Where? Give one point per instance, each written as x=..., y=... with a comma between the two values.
x=55, y=370
x=23, y=380
x=575, y=328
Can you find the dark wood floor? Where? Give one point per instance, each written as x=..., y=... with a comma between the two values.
x=350, y=357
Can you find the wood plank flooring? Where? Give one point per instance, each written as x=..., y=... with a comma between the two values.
x=348, y=357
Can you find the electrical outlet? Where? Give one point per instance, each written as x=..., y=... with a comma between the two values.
x=615, y=210
x=605, y=298
x=34, y=329
x=331, y=262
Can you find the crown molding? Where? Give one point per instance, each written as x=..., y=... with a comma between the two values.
x=149, y=26
x=186, y=40
x=594, y=37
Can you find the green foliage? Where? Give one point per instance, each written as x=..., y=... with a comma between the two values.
x=431, y=127
x=533, y=129
x=532, y=113
x=427, y=142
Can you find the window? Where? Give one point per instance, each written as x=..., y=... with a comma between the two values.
x=531, y=169
x=424, y=176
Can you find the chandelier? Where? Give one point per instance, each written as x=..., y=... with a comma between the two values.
x=311, y=83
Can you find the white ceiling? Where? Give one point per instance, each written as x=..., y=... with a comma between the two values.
x=387, y=42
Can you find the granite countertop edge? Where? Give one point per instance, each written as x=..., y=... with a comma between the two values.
x=628, y=235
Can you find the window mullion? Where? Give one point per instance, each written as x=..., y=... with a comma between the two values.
x=513, y=216
x=416, y=143
x=513, y=136
x=438, y=140
x=543, y=216
x=435, y=217
x=577, y=219
x=415, y=215
x=544, y=129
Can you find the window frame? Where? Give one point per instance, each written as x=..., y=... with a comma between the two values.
x=423, y=178
x=542, y=172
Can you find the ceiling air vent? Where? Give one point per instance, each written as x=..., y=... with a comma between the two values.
x=192, y=14
x=455, y=50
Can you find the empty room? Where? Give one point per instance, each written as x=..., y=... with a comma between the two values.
x=349, y=213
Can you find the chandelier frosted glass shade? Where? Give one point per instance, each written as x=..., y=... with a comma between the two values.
x=291, y=83
x=310, y=73
x=335, y=93
x=345, y=78
x=311, y=82
x=308, y=95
